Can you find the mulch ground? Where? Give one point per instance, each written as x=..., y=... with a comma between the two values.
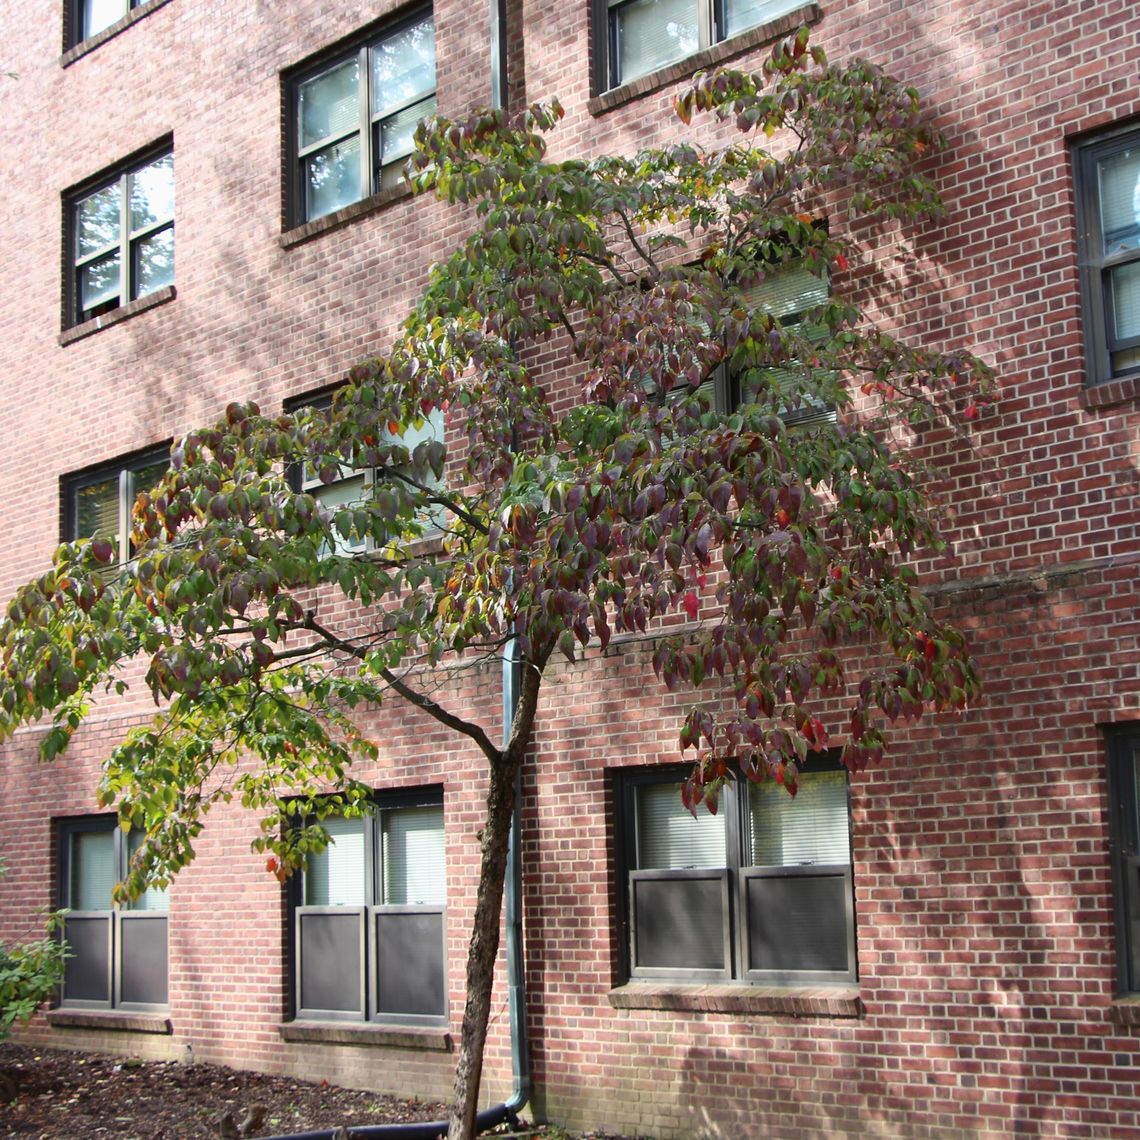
x=76, y=1096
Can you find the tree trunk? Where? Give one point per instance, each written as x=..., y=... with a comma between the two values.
x=484, y=946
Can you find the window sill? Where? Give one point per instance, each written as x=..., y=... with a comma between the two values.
x=1111, y=392
x=1125, y=1011
x=703, y=60
x=392, y=1036
x=115, y=316
x=309, y=230
x=108, y=1019
x=92, y=42
x=792, y=1001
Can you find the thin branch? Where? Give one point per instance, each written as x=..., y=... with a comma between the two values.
x=422, y=702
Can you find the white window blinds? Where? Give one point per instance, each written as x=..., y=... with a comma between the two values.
x=809, y=828
x=670, y=837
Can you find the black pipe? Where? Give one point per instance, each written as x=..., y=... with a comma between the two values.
x=415, y=1130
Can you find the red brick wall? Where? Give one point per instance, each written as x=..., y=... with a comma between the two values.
x=982, y=875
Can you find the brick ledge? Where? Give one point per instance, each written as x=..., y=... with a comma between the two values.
x=106, y=1019
x=340, y=1033
x=794, y=1001
x=309, y=230
x=1125, y=1011
x=116, y=316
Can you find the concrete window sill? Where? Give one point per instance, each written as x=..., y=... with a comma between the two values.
x=309, y=230
x=391, y=1036
x=790, y=1001
x=116, y=1020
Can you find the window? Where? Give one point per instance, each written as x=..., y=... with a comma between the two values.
x=118, y=953
x=98, y=503
x=90, y=17
x=353, y=118
x=355, y=483
x=121, y=237
x=369, y=929
x=1124, y=804
x=760, y=892
x=786, y=295
x=1108, y=222
x=646, y=35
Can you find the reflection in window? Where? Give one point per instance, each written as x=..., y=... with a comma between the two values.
x=355, y=119
x=646, y=35
x=123, y=238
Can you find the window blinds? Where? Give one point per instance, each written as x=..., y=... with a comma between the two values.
x=670, y=837
x=810, y=827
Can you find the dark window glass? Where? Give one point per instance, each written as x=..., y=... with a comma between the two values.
x=1123, y=784
x=369, y=917
x=118, y=953
x=353, y=118
x=122, y=238
x=1108, y=207
x=760, y=892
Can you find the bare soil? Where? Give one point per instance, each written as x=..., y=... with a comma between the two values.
x=76, y=1096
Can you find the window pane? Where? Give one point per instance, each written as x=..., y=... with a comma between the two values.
x=97, y=509
x=413, y=857
x=1125, y=281
x=142, y=954
x=152, y=193
x=397, y=133
x=332, y=178
x=92, y=870
x=336, y=877
x=147, y=477
x=329, y=106
x=403, y=66
x=99, y=283
x=1118, y=179
x=331, y=975
x=653, y=33
x=154, y=262
x=100, y=14
x=98, y=220
x=808, y=828
x=786, y=292
x=741, y=14
x=671, y=837
x=411, y=974
x=153, y=898
x=678, y=923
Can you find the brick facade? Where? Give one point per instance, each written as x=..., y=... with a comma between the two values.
x=989, y=995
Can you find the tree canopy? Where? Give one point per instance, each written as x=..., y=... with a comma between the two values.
x=679, y=484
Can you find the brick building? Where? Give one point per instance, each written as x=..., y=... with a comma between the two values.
x=989, y=980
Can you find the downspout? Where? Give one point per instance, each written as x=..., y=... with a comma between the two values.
x=516, y=978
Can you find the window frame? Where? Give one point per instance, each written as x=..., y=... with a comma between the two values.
x=369, y=915
x=711, y=30
x=128, y=243
x=1094, y=265
x=78, y=34
x=734, y=880
x=300, y=480
x=360, y=45
x=119, y=919
x=126, y=467
x=1123, y=759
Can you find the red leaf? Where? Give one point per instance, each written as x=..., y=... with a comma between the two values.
x=691, y=604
